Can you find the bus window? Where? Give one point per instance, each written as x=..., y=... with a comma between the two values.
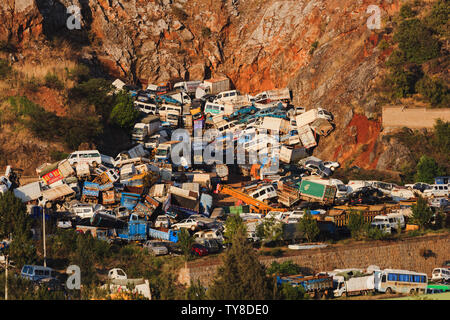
x=392, y=277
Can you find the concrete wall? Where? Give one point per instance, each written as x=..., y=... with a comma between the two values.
x=414, y=118
x=406, y=254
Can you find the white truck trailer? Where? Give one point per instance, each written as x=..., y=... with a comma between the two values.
x=354, y=286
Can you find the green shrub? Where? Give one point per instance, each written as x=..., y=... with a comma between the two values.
x=79, y=73
x=435, y=92
x=314, y=46
x=439, y=17
x=401, y=83
x=31, y=85
x=406, y=11
x=284, y=268
x=52, y=81
x=57, y=155
x=417, y=42
x=124, y=114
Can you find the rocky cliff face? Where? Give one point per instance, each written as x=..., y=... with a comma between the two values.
x=322, y=50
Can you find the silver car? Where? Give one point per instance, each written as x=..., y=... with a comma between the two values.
x=156, y=247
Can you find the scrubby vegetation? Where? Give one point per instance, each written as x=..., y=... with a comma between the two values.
x=429, y=151
x=419, y=43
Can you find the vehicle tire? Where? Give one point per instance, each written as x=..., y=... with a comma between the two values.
x=388, y=290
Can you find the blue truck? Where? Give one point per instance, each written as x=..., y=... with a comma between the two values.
x=169, y=235
x=129, y=200
x=241, y=112
x=166, y=99
x=318, y=285
x=139, y=230
x=91, y=189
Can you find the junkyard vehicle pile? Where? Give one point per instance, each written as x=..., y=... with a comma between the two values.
x=197, y=143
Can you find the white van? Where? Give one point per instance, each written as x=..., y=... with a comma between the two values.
x=227, y=96
x=440, y=275
x=437, y=190
x=149, y=108
x=227, y=127
x=381, y=225
x=214, y=109
x=393, y=219
x=259, y=142
x=165, y=108
x=264, y=193
x=92, y=157
x=83, y=210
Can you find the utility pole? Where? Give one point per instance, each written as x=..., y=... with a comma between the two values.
x=6, y=278
x=43, y=233
x=6, y=270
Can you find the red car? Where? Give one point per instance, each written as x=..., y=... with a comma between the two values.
x=199, y=250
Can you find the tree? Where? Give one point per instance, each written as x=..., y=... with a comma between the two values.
x=185, y=242
x=421, y=213
x=417, y=41
x=124, y=114
x=96, y=92
x=270, y=230
x=442, y=135
x=308, y=226
x=84, y=258
x=427, y=170
x=356, y=225
x=14, y=221
x=241, y=276
x=233, y=225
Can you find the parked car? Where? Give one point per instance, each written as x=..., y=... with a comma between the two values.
x=162, y=221
x=117, y=273
x=333, y=165
x=419, y=186
x=199, y=250
x=365, y=195
x=188, y=224
x=212, y=245
x=156, y=247
x=318, y=167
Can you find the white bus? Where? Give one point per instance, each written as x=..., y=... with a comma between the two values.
x=440, y=275
x=400, y=281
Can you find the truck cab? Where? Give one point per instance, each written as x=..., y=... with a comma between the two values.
x=140, y=132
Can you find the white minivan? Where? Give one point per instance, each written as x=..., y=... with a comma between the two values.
x=92, y=157
x=393, y=219
x=437, y=190
x=440, y=275
x=264, y=193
